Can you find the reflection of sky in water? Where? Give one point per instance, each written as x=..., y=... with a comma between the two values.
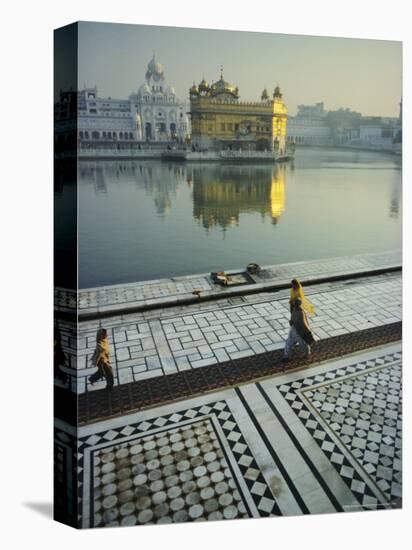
x=145, y=219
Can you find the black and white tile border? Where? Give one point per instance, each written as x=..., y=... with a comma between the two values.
x=218, y=412
x=65, y=482
x=371, y=492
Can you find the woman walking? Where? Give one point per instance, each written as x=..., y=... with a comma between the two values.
x=299, y=332
x=297, y=293
x=101, y=359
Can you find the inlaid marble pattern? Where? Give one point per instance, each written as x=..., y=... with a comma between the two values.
x=181, y=467
x=65, y=483
x=355, y=415
x=193, y=339
x=173, y=476
x=325, y=439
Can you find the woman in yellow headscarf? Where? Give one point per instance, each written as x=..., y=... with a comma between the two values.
x=101, y=359
x=297, y=293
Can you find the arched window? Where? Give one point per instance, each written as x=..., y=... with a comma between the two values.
x=121, y=135
x=86, y=135
x=81, y=135
x=130, y=135
x=95, y=135
x=104, y=134
x=109, y=135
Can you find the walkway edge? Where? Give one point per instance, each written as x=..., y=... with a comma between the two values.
x=100, y=404
x=189, y=299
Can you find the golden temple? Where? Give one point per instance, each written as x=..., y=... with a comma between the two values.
x=220, y=121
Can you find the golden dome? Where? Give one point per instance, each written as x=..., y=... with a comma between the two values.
x=223, y=87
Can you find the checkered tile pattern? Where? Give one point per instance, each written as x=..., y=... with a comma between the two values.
x=362, y=405
x=175, y=475
x=158, y=433
x=64, y=476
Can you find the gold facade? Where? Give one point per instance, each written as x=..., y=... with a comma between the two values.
x=220, y=121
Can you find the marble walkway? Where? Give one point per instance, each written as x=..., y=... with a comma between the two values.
x=322, y=440
x=179, y=290
x=166, y=341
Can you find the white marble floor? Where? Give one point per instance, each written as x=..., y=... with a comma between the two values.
x=171, y=341
x=157, y=291
x=320, y=440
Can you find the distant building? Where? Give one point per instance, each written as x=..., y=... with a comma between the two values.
x=219, y=120
x=377, y=132
x=105, y=121
x=153, y=114
x=397, y=142
x=65, y=124
x=367, y=132
x=313, y=112
x=344, y=125
x=313, y=125
x=309, y=126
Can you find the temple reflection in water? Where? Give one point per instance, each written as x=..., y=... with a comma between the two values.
x=149, y=219
x=160, y=180
x=222, y=194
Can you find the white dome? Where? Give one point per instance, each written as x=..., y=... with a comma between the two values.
x=155, y=70
x=144, y=89
x=154, y=66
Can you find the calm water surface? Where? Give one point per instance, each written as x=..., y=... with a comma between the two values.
x=143, y=220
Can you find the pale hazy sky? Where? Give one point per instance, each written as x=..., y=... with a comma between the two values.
x=365, y=75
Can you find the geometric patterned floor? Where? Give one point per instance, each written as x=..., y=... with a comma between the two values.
x=320, y=440
x=168, y=341
x=150, y=478
x=175, y=474
x=355, y=415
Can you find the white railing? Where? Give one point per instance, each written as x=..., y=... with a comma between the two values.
x=130, y=153
x=177, y=153
x=248, y=154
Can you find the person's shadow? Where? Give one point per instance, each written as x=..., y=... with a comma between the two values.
x=43, y=508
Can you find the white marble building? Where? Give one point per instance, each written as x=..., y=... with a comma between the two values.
x=160, y=114
x=309, y=126
x=308, y=132
x=105, y=121
x=153, y=114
